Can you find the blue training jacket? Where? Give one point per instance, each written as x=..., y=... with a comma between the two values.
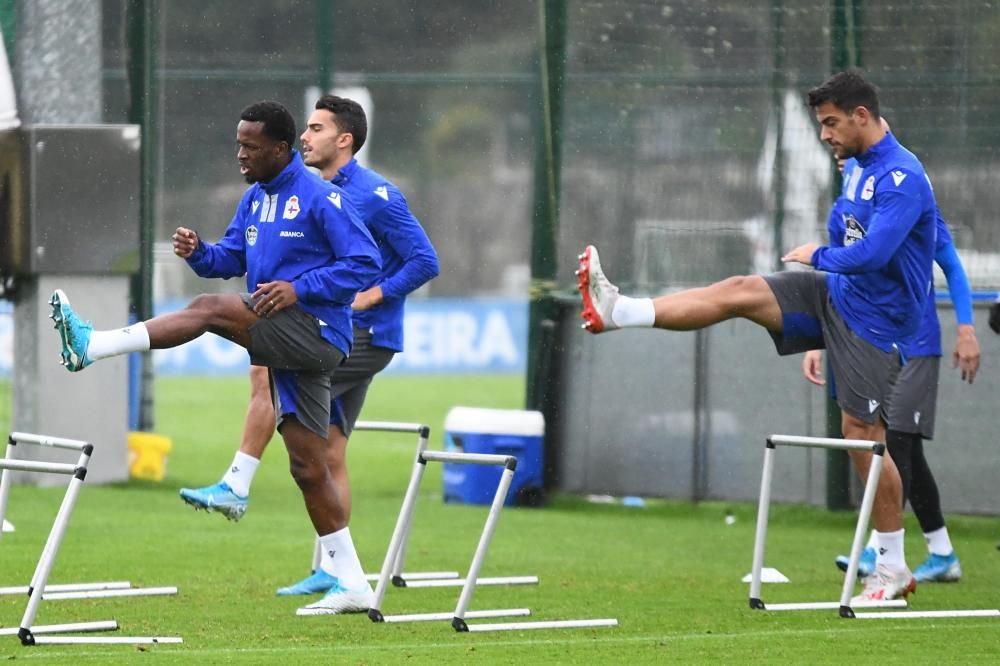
x=408, y=258
x=881, y=281
x=927, y=340
x=300, y=229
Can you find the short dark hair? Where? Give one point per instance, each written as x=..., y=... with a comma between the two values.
x=278, y=122
x=847, y=91
x=349, y=116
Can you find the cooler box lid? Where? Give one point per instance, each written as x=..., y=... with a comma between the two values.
x=495, y=421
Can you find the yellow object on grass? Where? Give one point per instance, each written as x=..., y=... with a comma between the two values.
x=147, y=455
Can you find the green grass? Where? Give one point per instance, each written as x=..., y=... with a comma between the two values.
x=669, y=572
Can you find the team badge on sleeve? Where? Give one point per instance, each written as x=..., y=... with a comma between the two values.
x=291, y=208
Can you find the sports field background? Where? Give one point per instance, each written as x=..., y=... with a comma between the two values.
x=681, y=147
x=670, y=572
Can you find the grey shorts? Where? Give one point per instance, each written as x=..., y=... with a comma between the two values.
x=914, y=397
x=864, y=373
x=352, y=379
x=290, y=340
x=319, y=400
x=302, y=396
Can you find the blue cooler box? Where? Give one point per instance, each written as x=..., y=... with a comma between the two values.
x=494, y=431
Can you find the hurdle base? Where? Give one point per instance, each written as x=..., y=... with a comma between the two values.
x=101, y=625
x=481, y=581
x=846, y=612
x=399, y=580
x=985, y=612
x=459, y=625
x=375, y=615
x=449, y=615
x=107, y=640
x=25, y=636
x=757, y=604
x=544, y=624
x=834, y=605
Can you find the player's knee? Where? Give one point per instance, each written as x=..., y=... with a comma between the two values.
x=206, y=302
x=855, y=428
x=743, y=295
x=736, y=283
x=336, y=459
x=308, y=474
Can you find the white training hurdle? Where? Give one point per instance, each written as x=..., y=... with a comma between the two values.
x=845, y=608
x=421, y=578
x=394, y=554
x=38, y=589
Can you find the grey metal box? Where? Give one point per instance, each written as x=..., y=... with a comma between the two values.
x=69, y=199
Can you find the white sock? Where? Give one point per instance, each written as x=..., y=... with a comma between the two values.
x=239, y=476
x=633, y=312
x=134, y=338
x=317, y=555
x=872, y=541
x=340, y=559
x=890, y=549
x=938, y=542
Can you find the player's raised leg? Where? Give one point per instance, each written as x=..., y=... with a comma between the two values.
x=606, y=309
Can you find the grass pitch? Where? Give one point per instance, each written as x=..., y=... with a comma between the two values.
x=670, y=572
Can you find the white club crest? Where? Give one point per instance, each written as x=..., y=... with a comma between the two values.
x=291, y=208
x=869, y=189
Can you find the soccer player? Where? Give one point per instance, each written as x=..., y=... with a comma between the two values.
x=306, y=254
x=335, y=132
x=913, y=404
x=867, y=297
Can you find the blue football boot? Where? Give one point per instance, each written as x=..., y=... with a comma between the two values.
x=866, y=564
x=939, y=569
x=219, y=497
x=74, y=333
x=319, y=582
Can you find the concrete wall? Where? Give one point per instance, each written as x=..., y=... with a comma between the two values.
x=634, y=421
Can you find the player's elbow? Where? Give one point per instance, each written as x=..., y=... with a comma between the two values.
x=432, y=268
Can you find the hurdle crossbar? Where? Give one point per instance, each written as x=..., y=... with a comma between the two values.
x=874, y=471
x=462, y=612
x=14, y=464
